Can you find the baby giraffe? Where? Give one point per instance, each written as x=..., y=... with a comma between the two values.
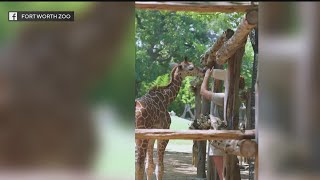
x=151, y=113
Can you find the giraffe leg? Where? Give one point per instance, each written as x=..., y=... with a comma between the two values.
x=150, y=164
x=141, y=145
x=161, y=147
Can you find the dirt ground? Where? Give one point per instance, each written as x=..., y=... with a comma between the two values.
x=178, y=166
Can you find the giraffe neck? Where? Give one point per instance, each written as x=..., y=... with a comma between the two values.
x=166, y=95
x=173, y=88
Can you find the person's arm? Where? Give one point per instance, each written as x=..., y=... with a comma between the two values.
x=204, y=86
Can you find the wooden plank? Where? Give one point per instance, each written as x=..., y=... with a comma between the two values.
x=193, y=134
x=209, y=58
x=226, y=7
x=249, y=21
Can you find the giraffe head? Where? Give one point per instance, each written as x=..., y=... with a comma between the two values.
x=186, y=68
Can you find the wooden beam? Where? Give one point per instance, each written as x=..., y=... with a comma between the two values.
x=256, y=166
x=245, y=147
x=249, y=108
x=254, y=42
x=193, y=134
x=231, y=169
x=232, y=104
x=249, y=21
x=226, y=7
x=201, y=168
x=209, y=58
x=195, y=149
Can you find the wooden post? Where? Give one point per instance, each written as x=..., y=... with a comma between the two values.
x=231, y=100
x=231, y=109
x=249, y=108
x=254, y=42
x=210, y=165
x=196, y=90
x=209, y=58
x=240, y=35
x=256, y=166
x=230, y=168
x=201, y=168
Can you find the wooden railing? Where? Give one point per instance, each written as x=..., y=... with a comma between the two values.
x=194, y=134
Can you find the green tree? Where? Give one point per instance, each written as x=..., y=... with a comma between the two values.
x=164, y=36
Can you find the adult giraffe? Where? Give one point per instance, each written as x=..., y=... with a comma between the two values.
x=151, y=113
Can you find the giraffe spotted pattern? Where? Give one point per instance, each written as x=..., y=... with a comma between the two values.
x=151, y=113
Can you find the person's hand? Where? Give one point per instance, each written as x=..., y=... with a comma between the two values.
x=208, y=73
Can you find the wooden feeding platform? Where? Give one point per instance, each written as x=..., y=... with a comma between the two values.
x=231, y=141
x=229, y=48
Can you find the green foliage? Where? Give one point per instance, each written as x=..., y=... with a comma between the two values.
x=161, y=80
x=185, y=96
x=163, y=37
x=247, y=62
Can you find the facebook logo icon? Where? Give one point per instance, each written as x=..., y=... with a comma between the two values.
x=13, y=16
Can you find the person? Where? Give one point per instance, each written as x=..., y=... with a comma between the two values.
x=217, y=100
x=217, y=104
